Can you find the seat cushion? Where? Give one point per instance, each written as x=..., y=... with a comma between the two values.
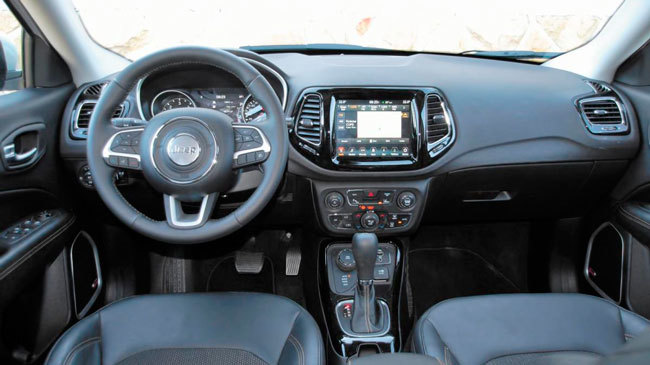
x=525, y=328
x=198, y=328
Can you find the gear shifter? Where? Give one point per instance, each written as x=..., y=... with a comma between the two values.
x=366, y=316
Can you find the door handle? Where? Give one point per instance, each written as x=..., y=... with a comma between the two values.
x=12, y=158
x=23, y=147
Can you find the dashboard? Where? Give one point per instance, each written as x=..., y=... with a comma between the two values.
x=379, y=138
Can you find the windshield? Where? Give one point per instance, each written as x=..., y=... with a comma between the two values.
x=135, y=28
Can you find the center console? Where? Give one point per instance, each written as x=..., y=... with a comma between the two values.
x=362, y=282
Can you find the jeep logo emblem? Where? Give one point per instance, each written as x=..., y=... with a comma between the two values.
x=183, y=149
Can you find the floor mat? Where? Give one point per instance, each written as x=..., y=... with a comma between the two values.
x=224, y=277
x=441, y=273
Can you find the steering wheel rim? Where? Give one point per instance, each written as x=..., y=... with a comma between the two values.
x=272, y=129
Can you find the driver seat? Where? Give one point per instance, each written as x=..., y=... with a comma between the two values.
x=196, y=328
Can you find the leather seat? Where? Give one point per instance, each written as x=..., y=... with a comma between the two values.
x=525, y=328
x=198, y=328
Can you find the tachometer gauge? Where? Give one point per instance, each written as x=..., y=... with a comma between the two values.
x=171, y=99
x=252, y=110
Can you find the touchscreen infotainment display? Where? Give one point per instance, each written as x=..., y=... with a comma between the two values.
x=373, y=128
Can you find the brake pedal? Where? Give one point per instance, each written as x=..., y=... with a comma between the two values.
x=249, y=262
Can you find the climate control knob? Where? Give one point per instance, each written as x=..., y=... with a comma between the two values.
x=369, y=221
x=334, y=200
x=406, y=200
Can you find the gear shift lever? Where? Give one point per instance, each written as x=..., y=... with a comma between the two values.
x=366, y=316
x=364, y=249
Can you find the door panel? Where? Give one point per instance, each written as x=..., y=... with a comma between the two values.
x=36, y=226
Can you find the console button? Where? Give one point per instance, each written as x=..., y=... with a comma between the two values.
x=345, y=260
x=335, y=220
x=381, y=273
x=370, y=220
x=355, y=197
x=406, y=200
x=386, y=196
x=334, y=200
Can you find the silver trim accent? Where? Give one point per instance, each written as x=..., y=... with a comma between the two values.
x=586, y=268
x=174, y=216
x=106, y=151
x=283, y=82
x=266, y=147
x=347, y=198
x=322, y=119
x=171, y=146
x=153, y=143
x=593, y=84
x=602, y=128
x=382, y=304
x=449, y=138
x=100, y=281
x=349, y=341
x=168, y=91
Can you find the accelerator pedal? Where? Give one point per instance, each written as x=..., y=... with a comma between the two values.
x=249, y=262
x=293, y=261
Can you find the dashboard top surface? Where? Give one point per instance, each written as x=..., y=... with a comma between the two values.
x=504, y=112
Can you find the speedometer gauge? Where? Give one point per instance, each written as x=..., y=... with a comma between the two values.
x=171, y=99
x=252, y=110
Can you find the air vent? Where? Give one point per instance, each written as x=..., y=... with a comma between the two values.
x=437, y=123
x=309, y=121
x=599, y=88
x=85, y=111
x=603, y=115
x=96, y=89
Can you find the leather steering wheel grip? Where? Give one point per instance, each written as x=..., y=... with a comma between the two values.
x=100, y=129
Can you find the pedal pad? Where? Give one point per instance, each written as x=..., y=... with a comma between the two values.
x=249, y=262
x=293, y=261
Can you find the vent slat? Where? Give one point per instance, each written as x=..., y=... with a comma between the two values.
x=86, y=111
x=308, y=120
x=602, y=111
x=437, y=123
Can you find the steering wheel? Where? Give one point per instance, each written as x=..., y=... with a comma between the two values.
x=188, y=154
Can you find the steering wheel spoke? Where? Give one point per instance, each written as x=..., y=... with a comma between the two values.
x=251, y=146
x=178, y=218
x=123, y=149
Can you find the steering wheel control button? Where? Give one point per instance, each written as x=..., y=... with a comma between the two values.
x=334, y=200
x=250, y=146
x=247, y=139
x=345, y=260
x=124, y=150
x=183, y=149
x=406, y=200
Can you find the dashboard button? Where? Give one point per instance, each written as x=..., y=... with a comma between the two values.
x=334, y=200
x=355, y=197
x=386, y=196
x=406, y=200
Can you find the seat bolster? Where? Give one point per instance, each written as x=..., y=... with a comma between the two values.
x=304, y=338
x=426, y=340
x=482, y=328
x=81, y=344
x=633, y=324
